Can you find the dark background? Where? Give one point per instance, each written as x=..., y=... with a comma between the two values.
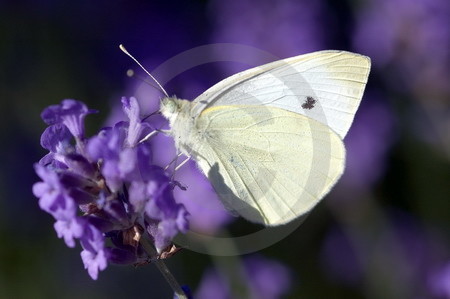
x=383, y=232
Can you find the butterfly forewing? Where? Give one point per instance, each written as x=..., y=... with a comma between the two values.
x=332, y=82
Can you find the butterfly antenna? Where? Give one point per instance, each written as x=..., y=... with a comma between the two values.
x=130, y=73
x=148, y=73
x=151, y=114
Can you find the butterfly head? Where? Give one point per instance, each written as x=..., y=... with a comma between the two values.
x=169, y=107
x=172, y=108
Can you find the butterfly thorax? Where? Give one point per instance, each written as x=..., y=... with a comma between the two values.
x=182, y=123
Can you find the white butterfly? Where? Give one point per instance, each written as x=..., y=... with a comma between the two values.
x=270, y=138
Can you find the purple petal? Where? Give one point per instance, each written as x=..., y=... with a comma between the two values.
x=93, y=256
x=92, y=239
x=153, y=211
x=71, y=113
x=107, y=146
x=53, y=198
x=53, y=161
x=163, y=231
x=61, y=207
x=137, y=195
x=97, y=147
x=68, y=179
x=182, y=219
x=94, y=262
x=112, y=176
x=103, y=225
x=69, y=229
x=127, y=161
x=147, y=171
x=164, y=201
x=80, y=165
x=132, y=110
x=56, y=138
x=40, y=188
x=48, y=176
x=80, y=196
x=115, y=211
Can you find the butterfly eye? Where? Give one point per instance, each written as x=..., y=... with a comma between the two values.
x=169, y=106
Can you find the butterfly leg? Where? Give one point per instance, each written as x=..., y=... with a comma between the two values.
x=149, y=135
x=174, y=160
x=182, y=163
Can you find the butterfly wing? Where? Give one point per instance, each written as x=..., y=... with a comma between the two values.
x=268, y=164
x=326, y=86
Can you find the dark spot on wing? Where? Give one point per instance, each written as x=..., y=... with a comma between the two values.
x=204, y=102
x=309, y=103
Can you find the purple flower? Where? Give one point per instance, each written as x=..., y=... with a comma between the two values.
x=107, y=147
x=105, y=187
x=263, y=278
x=56, y=138
x=69, y=230
x=94, y=262
x=53, y=196
x=94, y=255
x=71, y=113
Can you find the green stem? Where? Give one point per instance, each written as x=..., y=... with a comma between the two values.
x=148, y=247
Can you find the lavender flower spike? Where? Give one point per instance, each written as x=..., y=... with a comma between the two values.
x=106, y=187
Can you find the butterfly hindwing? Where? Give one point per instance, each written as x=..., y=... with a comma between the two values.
x=268, y=164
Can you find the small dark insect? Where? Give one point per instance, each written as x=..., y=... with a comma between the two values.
x=309, y=103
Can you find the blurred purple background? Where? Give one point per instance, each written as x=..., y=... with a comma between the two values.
x=383, y=232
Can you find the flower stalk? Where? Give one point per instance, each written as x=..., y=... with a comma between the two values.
x=162, y=267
